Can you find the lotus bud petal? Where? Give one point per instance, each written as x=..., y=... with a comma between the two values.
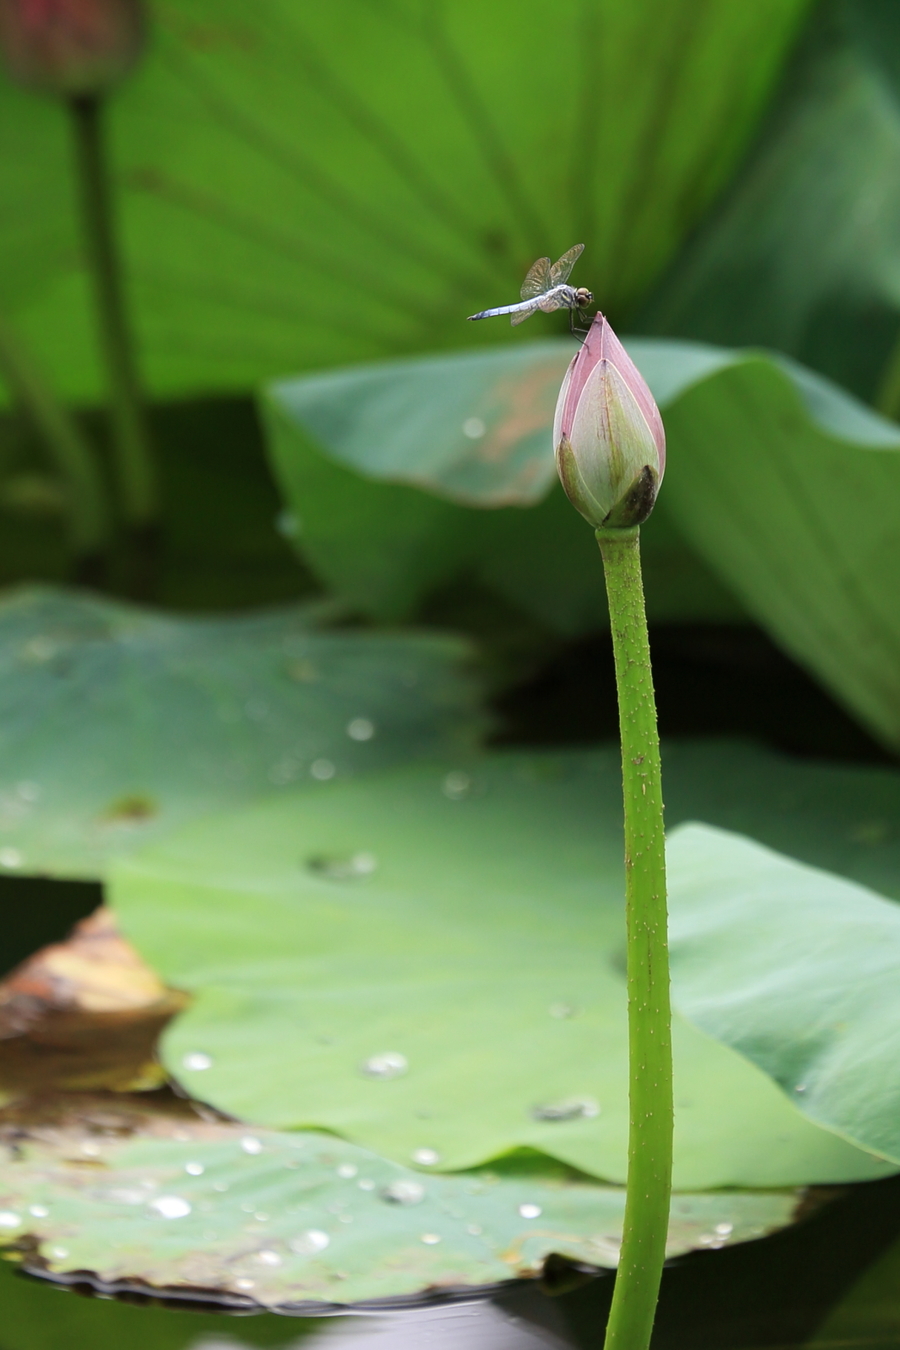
x=73, y=48
x=608, y=435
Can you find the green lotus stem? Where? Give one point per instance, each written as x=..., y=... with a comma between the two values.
x=887, y=397
x=73, y=455
x=135, y=468
x=649, y=1015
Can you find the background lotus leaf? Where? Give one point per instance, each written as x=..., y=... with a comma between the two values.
x=117, y=723
x=286, y=195
x=785, y=487
x=762, y=269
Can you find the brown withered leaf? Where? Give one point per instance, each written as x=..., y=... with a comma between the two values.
x=84, y=1014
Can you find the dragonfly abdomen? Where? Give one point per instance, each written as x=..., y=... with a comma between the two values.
x=506, y=309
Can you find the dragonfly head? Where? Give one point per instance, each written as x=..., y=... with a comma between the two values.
x=583, y=297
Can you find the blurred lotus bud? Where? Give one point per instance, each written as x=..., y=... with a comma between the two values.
x=70, y=47
x=608, y=434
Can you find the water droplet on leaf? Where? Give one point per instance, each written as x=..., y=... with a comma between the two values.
x=170, y=1206
x=426, y=1157
x=430, y=1239
x=251, y=1145
x=287, y=524
x=268, y=1258
x=529, y=1211
x=352, y=867
x=310, y=1242
x=456, y=785
x=571, y=1108
x=403, y=1192
x=197, y=1060
x=389, y=1064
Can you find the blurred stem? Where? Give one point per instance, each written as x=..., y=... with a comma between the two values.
x=135, y=468
x=73, y=455
x=649, y=1015
x=887, y=399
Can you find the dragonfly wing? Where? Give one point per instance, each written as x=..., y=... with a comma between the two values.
x=523, y=314
x=560, y=270
x=537, y=281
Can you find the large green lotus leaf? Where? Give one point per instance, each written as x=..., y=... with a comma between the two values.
x=798, y=970
x=389, y=470
x=307, y=185
x=304, y=1220
x=802, y=522
x=763, y=269
x=786, y=487
x=117, y=723
x=467, y=920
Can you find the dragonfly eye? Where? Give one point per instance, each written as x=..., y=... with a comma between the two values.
x=583, y=296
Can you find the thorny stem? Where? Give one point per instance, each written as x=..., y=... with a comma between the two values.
x=73, y=455
x=135, y=469
x=649, y=1016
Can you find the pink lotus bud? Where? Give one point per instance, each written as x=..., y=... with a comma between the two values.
x=608, y=434
x=70, y=47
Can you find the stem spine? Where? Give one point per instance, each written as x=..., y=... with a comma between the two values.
x=649, y=1014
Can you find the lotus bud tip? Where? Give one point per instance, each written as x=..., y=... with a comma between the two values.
x=608, y=435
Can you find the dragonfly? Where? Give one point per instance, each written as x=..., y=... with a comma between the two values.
x=545, y=289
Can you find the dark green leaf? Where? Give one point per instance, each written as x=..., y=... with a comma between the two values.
x=791, y=492
x=804, y=252
x=869, y=1314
